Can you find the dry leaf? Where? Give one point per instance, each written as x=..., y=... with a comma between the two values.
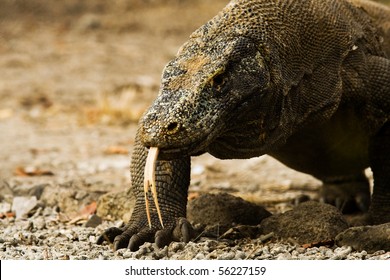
x=8, y=214
x=77, y=220
x=318, y=244
x=116, y=150
x=89, y=209
x=32, y=171
x=193, y=195
x=84, y=213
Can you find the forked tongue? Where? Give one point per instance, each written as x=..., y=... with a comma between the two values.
x=150, y=183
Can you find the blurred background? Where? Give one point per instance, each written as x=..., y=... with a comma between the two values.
x=73, y=53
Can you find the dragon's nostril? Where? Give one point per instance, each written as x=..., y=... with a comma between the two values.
x=172, y=127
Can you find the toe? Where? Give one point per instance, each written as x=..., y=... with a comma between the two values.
x=186, y=230
x=109, y=235
x=140, y=238
x=183, y=230
x=163, y=237
x=122, y=240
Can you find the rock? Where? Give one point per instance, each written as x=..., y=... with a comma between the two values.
x=116, y=205
x=309, y=222
x=69, y=196
x=367, y=238
x=5, y=207
x=22, y=205
x=227, y=256
x=39, y=223
x=93, y=221
x=37, y=190
x=341, y=253
x=29, y=189
x=62, y=197
x=5, y=190
x=224, y=210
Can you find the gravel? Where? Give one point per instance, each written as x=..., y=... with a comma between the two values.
x=44, y=237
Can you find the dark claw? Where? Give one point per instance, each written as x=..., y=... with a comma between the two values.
x=363, y=202
x=109, y=235
x=163, y=237
x=140, y=238
x=186, y=231
x=183, y=230
x=134, y=243
x=121, y=241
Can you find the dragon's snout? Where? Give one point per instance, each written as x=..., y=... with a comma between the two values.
x=162, y=132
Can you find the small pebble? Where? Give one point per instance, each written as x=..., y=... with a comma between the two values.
x=23, y=205
x=227, y=256
x=93, y=221
x=39, y=223
x=341, y=253
x=200, y=256
x=240, y=255
x=176, y=246
x=277, y=250
x=127, y=254
x=29, y=226
x=284, y=256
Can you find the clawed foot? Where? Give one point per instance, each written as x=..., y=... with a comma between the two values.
x=348, y=197
x=132, y=237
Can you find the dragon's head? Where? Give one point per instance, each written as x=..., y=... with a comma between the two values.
x=203, y=89
x=216, y=77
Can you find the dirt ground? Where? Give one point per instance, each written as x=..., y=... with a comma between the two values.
x=75, y=76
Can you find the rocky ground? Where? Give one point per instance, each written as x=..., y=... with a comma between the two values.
x=75, y=78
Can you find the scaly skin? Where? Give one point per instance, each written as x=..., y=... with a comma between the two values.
x=307, y=82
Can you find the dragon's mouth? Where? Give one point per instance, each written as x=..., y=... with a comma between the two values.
x=180, y=152
x=194, y=148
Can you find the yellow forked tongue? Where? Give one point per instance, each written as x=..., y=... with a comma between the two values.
x=150, y=182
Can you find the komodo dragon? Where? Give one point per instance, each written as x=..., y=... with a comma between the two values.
x=307, y=82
